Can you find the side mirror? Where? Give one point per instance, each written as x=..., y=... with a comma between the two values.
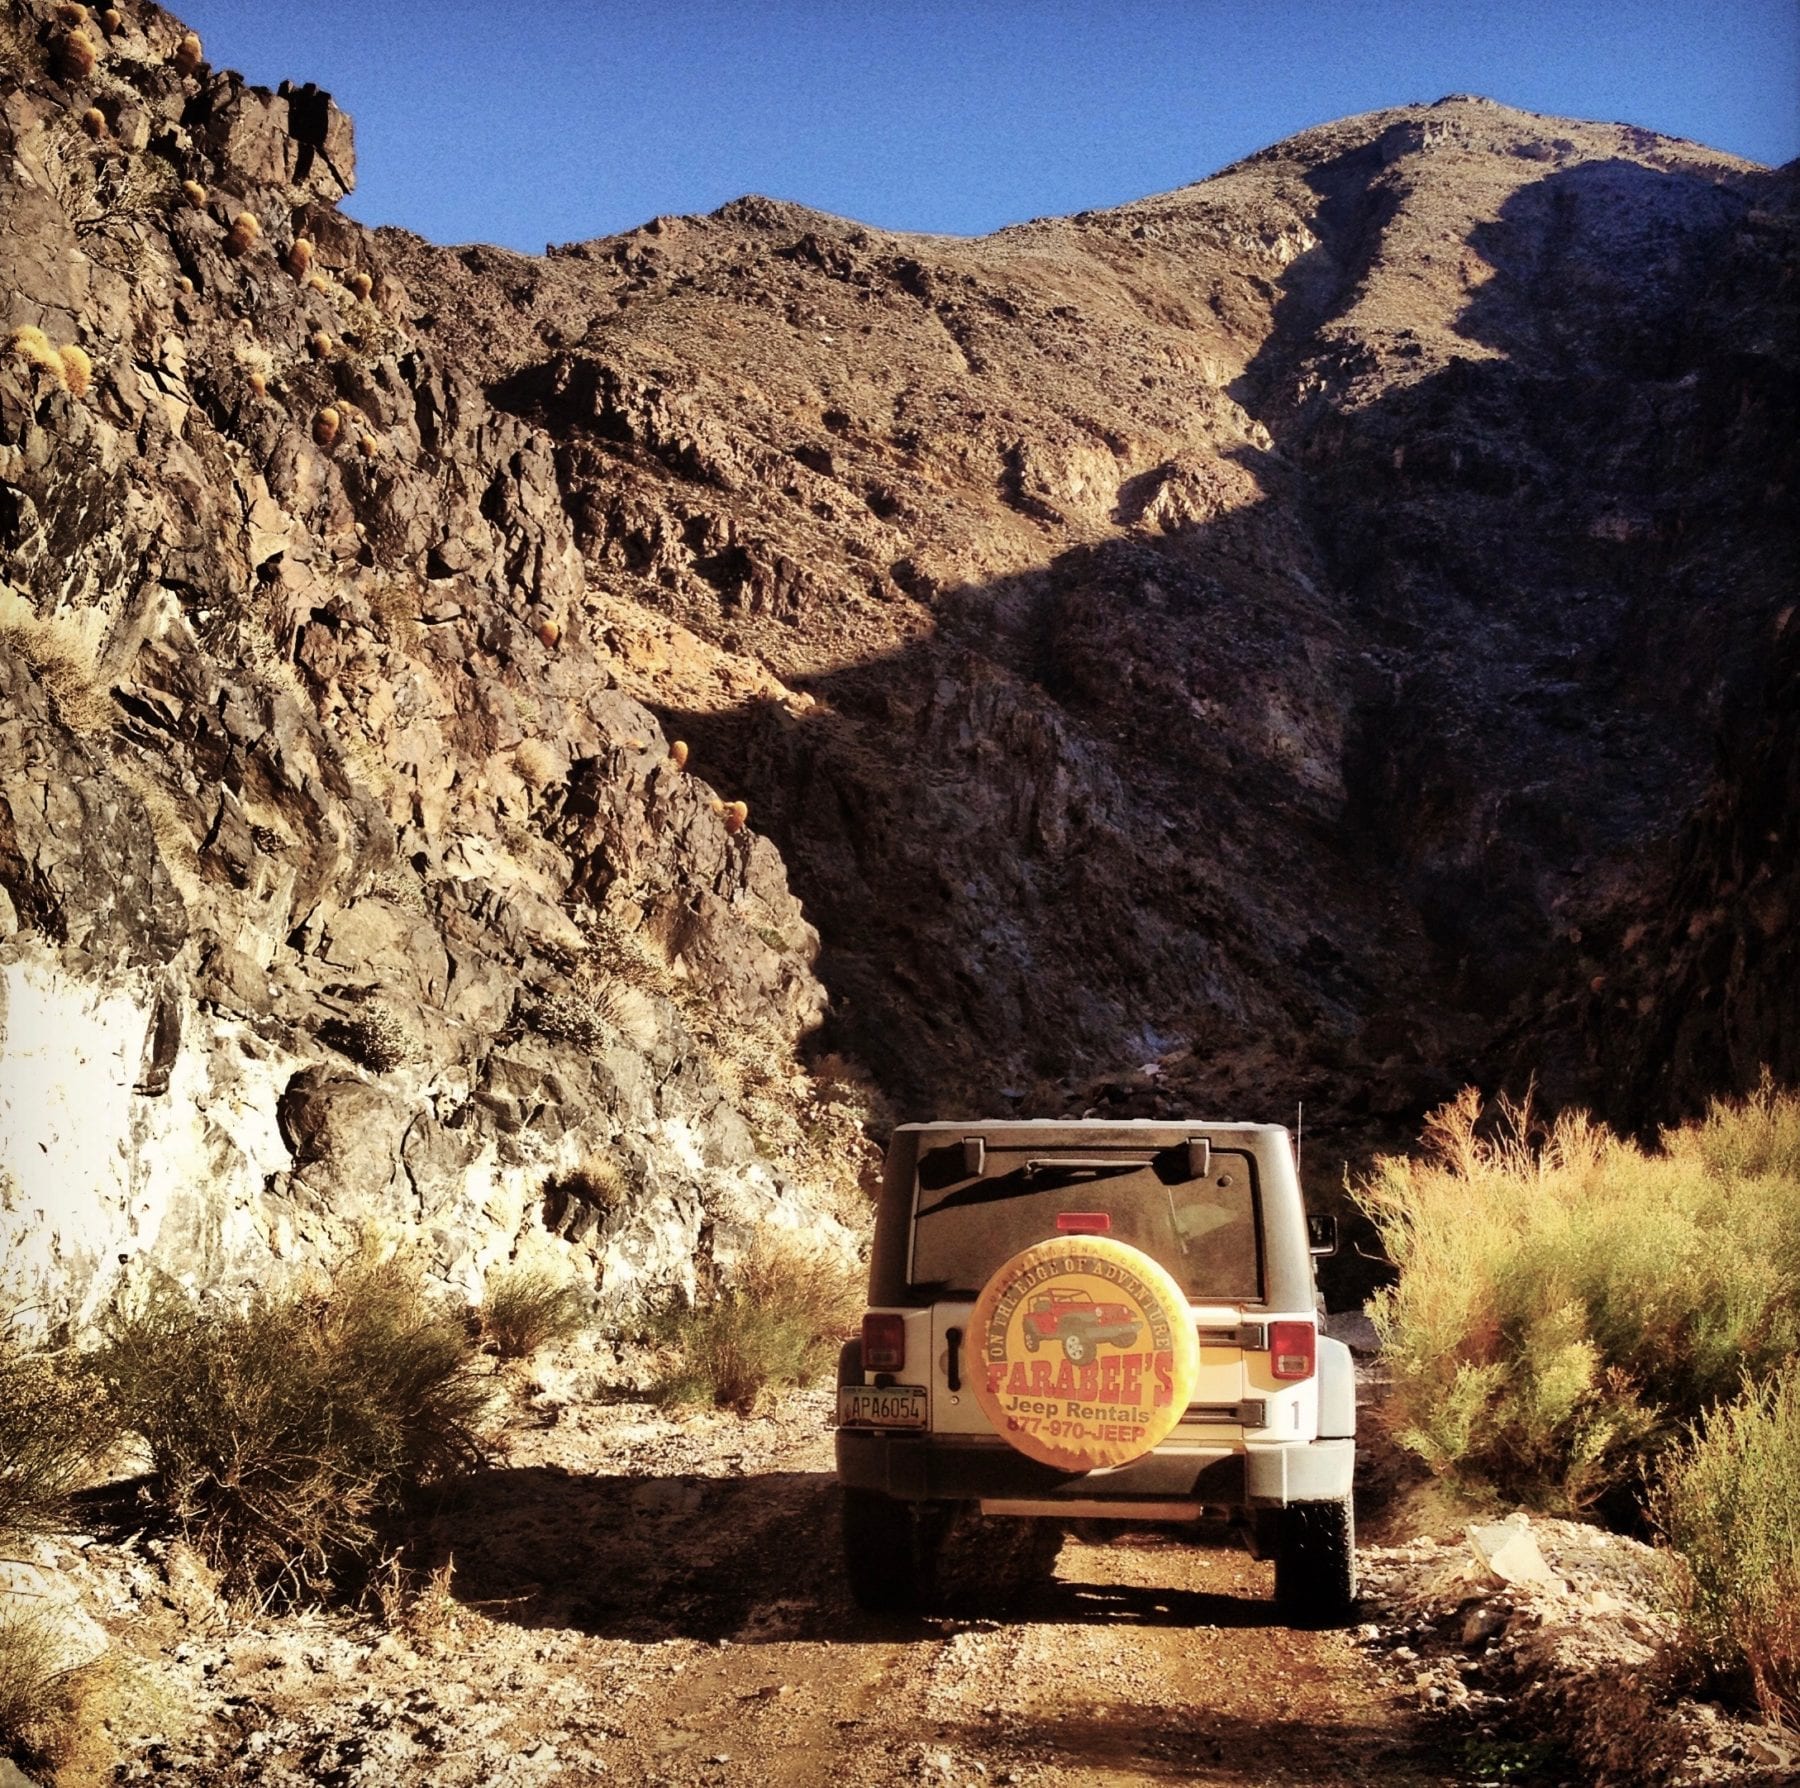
x=1322, y=1234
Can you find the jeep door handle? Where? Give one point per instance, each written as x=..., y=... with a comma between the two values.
x=953, y=1359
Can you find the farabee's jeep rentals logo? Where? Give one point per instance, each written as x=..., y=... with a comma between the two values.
x=1129, y=1356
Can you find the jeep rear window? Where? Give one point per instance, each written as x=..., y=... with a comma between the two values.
x=1203, y=1230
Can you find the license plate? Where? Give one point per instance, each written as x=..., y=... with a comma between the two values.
x=881, y=1406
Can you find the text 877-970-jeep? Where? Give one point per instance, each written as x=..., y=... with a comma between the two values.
x=1096, y=1319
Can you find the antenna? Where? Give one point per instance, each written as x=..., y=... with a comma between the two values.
x=1299, y=1135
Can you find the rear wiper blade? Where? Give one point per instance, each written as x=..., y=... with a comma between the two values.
x=1034, y=1176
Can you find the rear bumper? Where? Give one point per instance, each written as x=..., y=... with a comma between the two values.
x=926, y=1468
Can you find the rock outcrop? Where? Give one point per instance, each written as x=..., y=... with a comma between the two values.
x=343, y=889
x=1257, y=644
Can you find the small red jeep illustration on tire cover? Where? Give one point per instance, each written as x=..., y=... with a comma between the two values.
x=1079, y=1322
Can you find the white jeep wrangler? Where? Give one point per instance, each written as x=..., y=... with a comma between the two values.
x=1079, y=1320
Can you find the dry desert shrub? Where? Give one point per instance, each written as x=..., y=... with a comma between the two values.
x=285, y=1434
x=378, y=1036
x=528, y=1307
x=54, y=1432
x=62, y=662
x=1567, y=1298
x=582, y=1015
x=42, y=1700
x=419, y=1605
x=1727, y=1501
x=780, y=1322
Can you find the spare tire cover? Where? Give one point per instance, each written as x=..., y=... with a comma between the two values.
x=1084, y=1352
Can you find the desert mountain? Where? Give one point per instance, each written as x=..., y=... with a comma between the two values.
x=1322, y=634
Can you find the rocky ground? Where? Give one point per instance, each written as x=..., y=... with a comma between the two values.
x=627, y=1596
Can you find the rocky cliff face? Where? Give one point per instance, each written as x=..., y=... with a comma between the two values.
x=1257, y=644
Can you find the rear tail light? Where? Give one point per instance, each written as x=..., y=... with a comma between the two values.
x=883, y=1342
x=1084, y=1222
x=1292, y=1349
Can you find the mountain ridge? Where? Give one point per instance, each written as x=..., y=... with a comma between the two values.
x=1266, y=642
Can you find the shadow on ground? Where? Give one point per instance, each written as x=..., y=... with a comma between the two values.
x=753, y=1559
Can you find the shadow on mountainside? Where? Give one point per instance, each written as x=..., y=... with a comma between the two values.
x=1304, y=787
x=1326, y=783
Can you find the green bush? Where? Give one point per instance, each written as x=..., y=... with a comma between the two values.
x=1567, y=1299
x=1728, y=1502
x=529, y=1307
x=780, y=1323
x=283, y=1435
x=54, y=1431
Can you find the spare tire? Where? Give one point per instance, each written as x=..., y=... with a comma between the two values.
x=1124, y=1384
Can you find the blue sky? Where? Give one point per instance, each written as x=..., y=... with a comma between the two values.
x=554, y=121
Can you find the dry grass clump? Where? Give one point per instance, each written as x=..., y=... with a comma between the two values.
x=582, y=1016
x=62, y=661
x=284, y=1435
x=1728, y=1502
x=780, y=1322
x=377, y=1036
x=54, y=1434
x=43, y=1701
x=578, y=1199
x=419, y=1605
x=1566, y=1297
x=528, y=1307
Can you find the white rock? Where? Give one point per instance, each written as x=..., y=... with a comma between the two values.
x=1510, y=1554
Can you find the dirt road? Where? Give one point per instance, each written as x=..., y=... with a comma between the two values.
x=629, y=1598
x=681, y=1587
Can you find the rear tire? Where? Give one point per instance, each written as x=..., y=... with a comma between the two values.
x=1315, y=1562
x=1076, y=1347
x=890, y=1551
